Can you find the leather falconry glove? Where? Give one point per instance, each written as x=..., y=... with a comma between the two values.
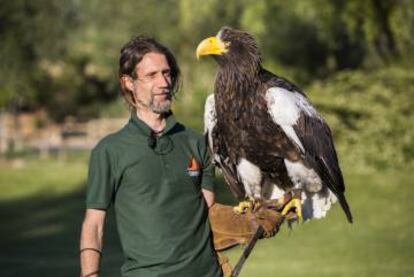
x=230, y=228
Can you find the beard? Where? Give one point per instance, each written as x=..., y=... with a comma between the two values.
x=161, y=107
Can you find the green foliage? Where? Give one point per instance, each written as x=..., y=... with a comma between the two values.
x=371, y=115
x=30, y=31
x=73, y=88
x=63, y=56
x=287, y=37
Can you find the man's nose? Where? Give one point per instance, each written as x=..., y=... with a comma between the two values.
x=164, y=81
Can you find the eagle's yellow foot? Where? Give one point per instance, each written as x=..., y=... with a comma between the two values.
x=294, y=203
x=243, y=206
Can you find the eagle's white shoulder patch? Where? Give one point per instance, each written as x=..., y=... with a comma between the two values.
x=285, y=107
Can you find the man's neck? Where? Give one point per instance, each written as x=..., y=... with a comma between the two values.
x=155, y=121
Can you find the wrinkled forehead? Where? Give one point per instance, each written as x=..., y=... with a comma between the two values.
x=152, y=62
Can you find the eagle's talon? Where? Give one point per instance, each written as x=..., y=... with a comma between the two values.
x=243, y=207
x=297, y=205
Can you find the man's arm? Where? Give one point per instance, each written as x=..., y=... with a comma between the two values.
x=91, y=242
x=209, y=196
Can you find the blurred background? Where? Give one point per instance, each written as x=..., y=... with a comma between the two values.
x=59, y=95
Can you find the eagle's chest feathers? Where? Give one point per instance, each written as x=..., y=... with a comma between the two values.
x=238, y=104
x=241, y=118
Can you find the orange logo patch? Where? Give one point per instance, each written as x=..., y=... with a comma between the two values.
x=193, y=168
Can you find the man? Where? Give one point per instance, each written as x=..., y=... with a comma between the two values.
x=156, y=173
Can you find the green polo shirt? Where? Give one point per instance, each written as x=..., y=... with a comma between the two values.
x=159, y=208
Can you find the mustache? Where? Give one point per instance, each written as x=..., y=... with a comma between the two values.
x=166, y=92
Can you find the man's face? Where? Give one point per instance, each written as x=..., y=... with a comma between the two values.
x=152, y=88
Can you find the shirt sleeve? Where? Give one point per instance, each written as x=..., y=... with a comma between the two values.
x=100, y=185
x=208, y=173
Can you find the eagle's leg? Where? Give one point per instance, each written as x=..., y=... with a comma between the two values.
x=295, y=202
x=243, y=206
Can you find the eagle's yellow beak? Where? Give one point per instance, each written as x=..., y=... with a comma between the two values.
x=211, y=46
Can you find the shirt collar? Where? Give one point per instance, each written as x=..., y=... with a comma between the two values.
x=142, y=127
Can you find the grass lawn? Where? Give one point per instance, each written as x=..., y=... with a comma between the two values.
x=379, y=243
x=42, y=205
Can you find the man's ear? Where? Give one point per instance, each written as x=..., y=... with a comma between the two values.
x=127, y=83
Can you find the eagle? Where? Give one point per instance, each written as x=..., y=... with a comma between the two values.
x=264, y=133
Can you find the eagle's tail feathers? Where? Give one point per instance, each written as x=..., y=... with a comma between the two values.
x=339, y=194
x=345, y=207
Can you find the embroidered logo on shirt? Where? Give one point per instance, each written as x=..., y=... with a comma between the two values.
x=193, y=168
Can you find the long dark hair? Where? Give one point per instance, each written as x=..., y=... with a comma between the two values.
x=132, y=53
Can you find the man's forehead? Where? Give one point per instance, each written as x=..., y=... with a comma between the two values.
x=152, y=61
